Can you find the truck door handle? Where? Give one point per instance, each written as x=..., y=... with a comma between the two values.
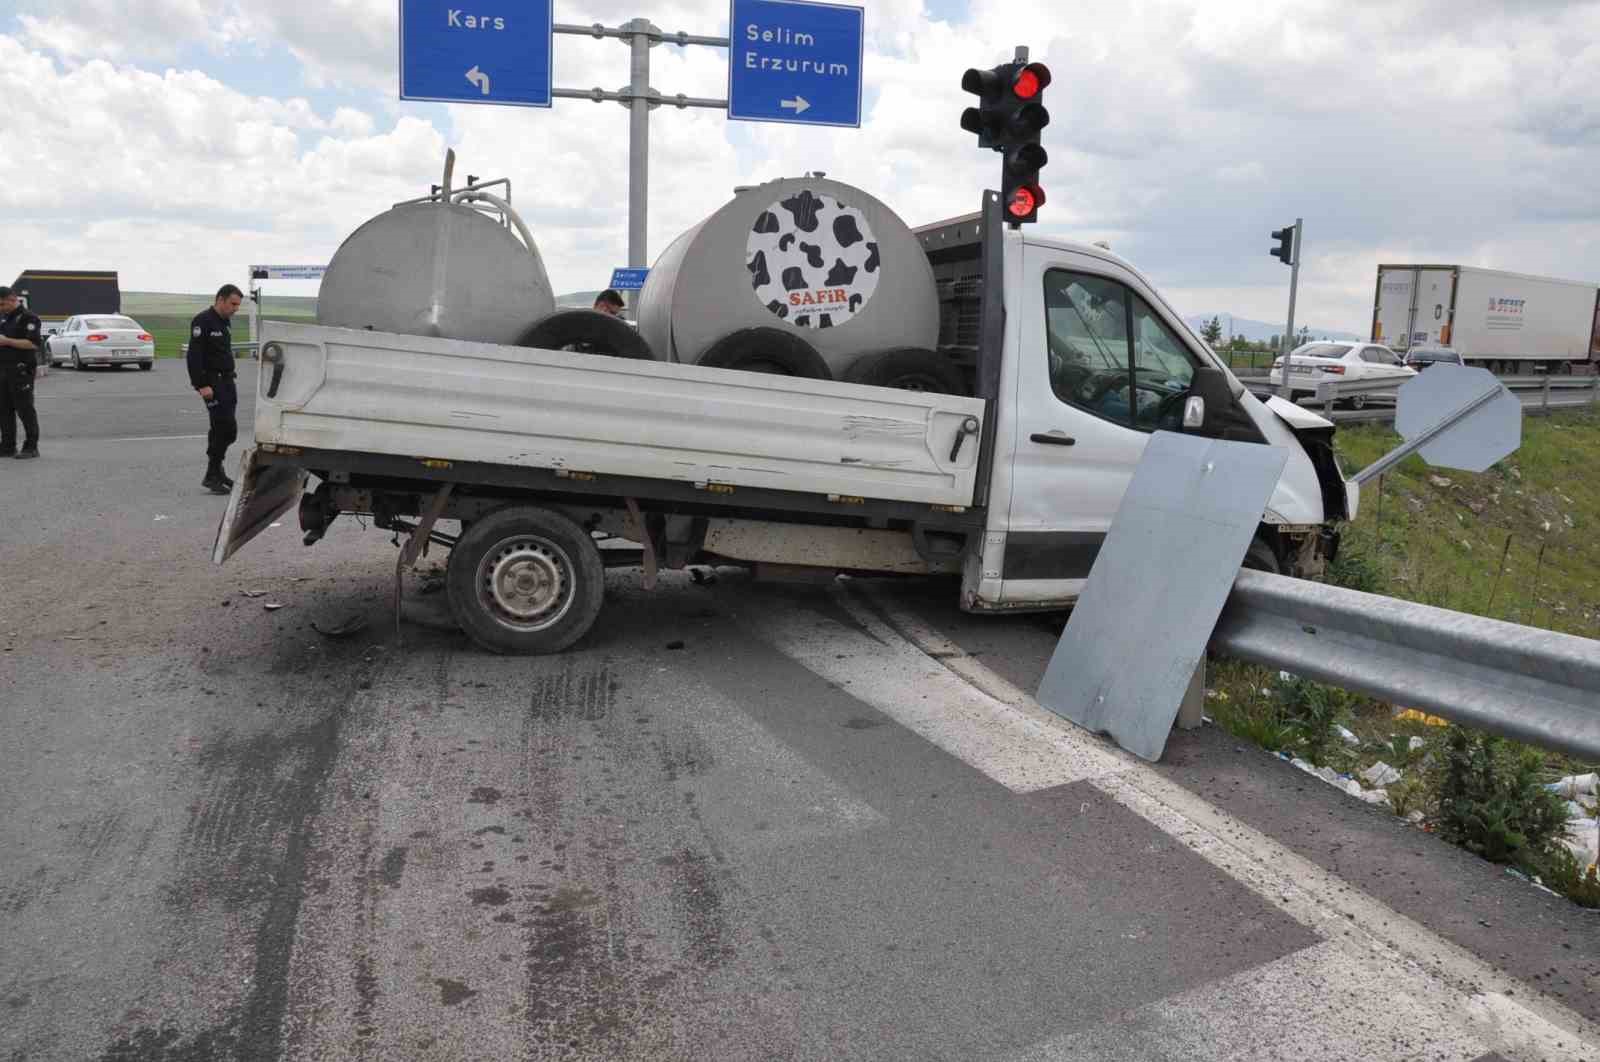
x=1053, y=439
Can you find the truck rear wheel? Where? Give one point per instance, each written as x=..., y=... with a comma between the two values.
x=525, y=581
x=769, y=350
x=588, y=332
x=909, y=369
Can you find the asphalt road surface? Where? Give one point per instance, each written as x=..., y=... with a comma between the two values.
x=738, y=821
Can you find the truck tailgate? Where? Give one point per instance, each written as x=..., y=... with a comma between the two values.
x=445, y=399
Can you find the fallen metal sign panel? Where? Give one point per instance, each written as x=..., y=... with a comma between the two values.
x=1140, y=628
x=262, y=494
x=1475, y=442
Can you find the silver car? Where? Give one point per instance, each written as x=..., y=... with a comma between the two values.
x=101, y=339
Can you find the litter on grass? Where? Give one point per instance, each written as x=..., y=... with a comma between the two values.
x=1412, y=715
x=1381, y=774
x=1574, y=786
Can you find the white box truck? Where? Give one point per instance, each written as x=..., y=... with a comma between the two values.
x=1505, y=322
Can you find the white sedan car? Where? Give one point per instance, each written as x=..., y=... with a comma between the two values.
x=101, y=339
x=1313, y=363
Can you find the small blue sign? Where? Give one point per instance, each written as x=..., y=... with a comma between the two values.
x=795, y=61
x=490, y=51
x=628, y=279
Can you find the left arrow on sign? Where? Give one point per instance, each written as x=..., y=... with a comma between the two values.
x=798, y=105
x=479, y=78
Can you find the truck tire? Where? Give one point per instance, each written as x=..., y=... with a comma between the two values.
x=1262, y=557
x=769, y=350
x=525, y=581
x=588, y=332
x=909, y=369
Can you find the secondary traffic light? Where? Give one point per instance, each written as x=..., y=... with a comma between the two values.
x=1284, y=252
x=1020, y=194
x=1009, y=118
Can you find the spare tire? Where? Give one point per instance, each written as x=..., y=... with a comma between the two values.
x=587, y=332
x=909, y=369
x=768, y=350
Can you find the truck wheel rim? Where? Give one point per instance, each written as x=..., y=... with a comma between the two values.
x=525, y=583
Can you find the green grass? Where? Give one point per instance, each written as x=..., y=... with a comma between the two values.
x=166, y=316
x=1518, y=542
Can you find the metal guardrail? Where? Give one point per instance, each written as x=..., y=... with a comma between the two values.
x=1520, y=682
x=1553, y=392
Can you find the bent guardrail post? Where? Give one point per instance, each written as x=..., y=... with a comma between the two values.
x=1519, y=682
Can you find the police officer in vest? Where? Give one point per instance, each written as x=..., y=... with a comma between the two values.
x=211, y=373
x=19, y=352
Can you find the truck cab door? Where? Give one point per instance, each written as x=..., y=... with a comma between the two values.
x=1095, y=370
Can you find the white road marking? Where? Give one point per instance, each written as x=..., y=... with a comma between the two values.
x=1476, y=997
x=1319, y=1004
x=146, y=438
x=883, y=669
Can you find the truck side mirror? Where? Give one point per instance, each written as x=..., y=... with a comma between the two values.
x=1194, y=412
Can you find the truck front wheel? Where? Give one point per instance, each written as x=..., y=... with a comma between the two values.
x=523, y=580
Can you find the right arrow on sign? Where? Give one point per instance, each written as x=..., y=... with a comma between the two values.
x=1457, y=418
x=798, y=105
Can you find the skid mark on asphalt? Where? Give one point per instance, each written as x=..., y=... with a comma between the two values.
x=538, y=871
x=93, y=840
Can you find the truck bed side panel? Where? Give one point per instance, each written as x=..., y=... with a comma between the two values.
x=372, y=392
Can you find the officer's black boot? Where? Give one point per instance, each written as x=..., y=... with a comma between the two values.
x=214, y=479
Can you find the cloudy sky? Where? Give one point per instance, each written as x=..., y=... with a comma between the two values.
x=177, y=141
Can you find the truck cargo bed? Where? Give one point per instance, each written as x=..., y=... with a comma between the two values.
x=450, y=400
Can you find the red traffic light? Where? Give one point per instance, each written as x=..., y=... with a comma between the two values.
x=1030, y=81
x=1025, y=201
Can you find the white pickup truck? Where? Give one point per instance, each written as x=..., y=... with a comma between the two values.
x=539, y=453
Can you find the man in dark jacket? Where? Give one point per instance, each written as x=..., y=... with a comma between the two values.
x=211, y=373
x=19, y=353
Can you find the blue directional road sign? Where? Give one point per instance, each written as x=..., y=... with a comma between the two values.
x=625, y=279
x=793, y=61
x=486, y=51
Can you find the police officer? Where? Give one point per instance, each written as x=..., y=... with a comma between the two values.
x=19, y=352
x=609, y=303
x=211, y=373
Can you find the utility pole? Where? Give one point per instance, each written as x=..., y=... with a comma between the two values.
x=640, y=35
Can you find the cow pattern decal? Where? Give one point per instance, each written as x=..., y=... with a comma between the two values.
x=813, y=260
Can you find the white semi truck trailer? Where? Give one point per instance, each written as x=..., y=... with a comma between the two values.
x=1505, y=322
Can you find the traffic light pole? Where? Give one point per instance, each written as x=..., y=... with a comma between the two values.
x=641, y=35
x=1288, y=332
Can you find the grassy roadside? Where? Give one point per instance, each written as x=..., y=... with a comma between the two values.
x=1519, y=543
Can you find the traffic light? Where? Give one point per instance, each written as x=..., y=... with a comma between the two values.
x=1009, y=117
x=1020, y=194
x=1284, y=252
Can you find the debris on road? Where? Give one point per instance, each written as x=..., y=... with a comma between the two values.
x=352, y=624
x=253, y=593
x=273, y=606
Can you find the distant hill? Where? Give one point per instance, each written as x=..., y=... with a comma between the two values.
x=1261, y=331
x=178, y=304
